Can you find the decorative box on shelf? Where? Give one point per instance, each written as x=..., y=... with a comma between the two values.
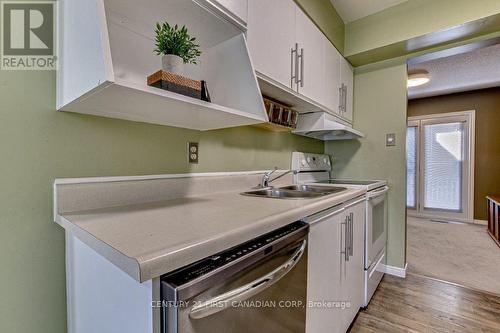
x=179, y=84
x=281, y=117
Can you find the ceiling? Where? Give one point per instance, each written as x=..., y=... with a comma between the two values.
x=477, y=69
x=351, y=10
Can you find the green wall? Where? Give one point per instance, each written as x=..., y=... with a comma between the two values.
x=379, y=108
x=38, y=144
x=327, y=19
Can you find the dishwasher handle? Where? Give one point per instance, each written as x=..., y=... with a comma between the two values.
x=224, y=301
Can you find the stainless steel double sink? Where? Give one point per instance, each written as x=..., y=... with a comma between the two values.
x=295, y=191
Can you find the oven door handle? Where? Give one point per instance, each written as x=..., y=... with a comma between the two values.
x=374, y=194
x=224, y=301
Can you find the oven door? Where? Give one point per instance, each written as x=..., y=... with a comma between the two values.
x=376, y=224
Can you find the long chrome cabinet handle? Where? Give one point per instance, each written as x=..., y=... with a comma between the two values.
x=346, y=239
x=341, y=92
x=293, y=65
x=351, y=218
x=301, y=56
x=349, y=235
x=225, y=301
x=344, y=98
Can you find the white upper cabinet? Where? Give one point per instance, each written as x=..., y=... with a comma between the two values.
x=106, y=54
x=332, y=85
x=271, y=37
x=347, y=82
x=295, y=62
x=310, y=57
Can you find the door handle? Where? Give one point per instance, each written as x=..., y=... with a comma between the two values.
x=294, y=65
x=224, y=301
x=301, y=56
x=349, y=234
x=346, y=240
x=342, y=107
x=345, y=98
x=351, y=243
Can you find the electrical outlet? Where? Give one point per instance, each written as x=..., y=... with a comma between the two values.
x=193, y=152
x=390, y=139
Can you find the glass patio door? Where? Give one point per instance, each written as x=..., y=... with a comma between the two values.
x=439, y=166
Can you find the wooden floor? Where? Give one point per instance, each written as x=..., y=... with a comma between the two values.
x=420, y=304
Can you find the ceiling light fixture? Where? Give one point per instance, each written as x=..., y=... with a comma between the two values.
x=417, y=78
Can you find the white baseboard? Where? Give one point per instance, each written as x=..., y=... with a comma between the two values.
x=393, y=270
x=481, y=222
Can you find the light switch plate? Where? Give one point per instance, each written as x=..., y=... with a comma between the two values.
x=193, y=152
x=390, y=139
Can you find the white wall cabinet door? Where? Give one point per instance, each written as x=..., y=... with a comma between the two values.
x=347, y=78
x=331, y=93
x=323, y=276
x=310, y=50
x=271, y=37
x=353, y=268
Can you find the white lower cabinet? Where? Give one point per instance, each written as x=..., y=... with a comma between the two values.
x=335, y=268
x=353, y=268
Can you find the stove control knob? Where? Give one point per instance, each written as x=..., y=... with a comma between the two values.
x=308, y=160
x=303, y=162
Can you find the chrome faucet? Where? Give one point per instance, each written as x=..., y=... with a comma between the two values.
x=266, y=177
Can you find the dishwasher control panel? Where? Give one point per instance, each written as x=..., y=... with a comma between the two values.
x=200, y=268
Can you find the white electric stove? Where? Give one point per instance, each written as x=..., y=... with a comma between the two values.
x=316, y=169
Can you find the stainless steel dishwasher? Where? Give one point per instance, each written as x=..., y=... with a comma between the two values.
x=258, y=286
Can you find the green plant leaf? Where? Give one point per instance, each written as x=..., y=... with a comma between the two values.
x=172, y=40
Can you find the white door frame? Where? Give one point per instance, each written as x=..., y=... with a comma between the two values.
x=468, y=171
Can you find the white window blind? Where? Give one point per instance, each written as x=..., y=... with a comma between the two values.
x=443, y=158
x=411, y=167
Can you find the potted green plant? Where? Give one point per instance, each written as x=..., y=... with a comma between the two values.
x=176, y=46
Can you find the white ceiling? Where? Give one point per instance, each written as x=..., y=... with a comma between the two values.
x=351, y=10
x=463, y=72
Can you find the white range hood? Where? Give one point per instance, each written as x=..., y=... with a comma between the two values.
x=323, y=126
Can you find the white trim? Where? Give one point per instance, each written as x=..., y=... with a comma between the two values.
x=470, y=116
x=393, y=270
x=85, y=180
x=481, y=222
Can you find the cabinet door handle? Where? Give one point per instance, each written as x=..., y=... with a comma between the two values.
x=341, y=92
x=351, y=243
x=349, y=228
x=346, y=240
x=294, y=65
x=345, y=98
x=301, y=56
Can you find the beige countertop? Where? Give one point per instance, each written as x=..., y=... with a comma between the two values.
x=161, y=236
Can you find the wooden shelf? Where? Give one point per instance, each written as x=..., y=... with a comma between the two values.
x=106, y=58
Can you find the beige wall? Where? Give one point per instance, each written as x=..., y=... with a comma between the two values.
x=486, y=102
x=379, y=108
x=411, y=19
x=38, y=144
